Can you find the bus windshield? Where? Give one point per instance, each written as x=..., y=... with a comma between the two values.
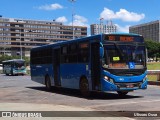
x=121, y=55
x=19, y=64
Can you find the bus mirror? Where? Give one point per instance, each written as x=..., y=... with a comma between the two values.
x=101, y=52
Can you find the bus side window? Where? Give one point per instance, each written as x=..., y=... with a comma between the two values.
x=72, y=53
x=69, y=53
x=83, y=55
x=64, y=57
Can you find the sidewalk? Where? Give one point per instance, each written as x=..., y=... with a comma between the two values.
x=38, y=107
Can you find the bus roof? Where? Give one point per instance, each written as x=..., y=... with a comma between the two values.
x=82, y=39
x=66, y=42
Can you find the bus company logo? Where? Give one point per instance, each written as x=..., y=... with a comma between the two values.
x=121, y=79
x=21, y=114
x=6, y=114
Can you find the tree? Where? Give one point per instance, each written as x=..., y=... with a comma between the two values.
x=153, y=48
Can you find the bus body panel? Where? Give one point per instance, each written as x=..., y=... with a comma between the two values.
x=124, y=79
x=71, y=73
x=121, y=83
x=108, y=86
x=37, y=76
x=39, y=72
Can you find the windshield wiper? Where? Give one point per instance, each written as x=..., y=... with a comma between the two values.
x=119, y=50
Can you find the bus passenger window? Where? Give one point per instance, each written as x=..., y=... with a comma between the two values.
x=83, y=55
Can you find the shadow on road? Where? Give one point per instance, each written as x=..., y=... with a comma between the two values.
x=94, y=95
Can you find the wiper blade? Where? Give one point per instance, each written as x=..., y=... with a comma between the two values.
x=119, y=50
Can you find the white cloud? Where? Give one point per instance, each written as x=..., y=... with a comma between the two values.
x=54, y=6
x=62, y=19
x=79, y=21
x=122, y=14
x=123, y=28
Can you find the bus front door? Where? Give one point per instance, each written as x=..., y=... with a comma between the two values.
x=56, y=66
x=95, y=65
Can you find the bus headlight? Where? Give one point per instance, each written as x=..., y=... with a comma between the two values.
x=108, y=79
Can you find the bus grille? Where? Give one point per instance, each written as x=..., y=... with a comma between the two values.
x=128, y=85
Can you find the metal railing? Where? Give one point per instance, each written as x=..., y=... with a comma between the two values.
x=154, y=75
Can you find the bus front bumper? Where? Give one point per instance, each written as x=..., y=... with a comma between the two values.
x=19, y=72
x=109, y=86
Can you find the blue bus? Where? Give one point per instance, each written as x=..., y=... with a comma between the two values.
x=14, y=67
x=105, y=62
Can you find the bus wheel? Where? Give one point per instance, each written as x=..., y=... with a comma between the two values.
x=84, y=87
x=48, y=83
x=122, y=93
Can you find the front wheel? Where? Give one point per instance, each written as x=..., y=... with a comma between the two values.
x=84, y=87
x=48, y=83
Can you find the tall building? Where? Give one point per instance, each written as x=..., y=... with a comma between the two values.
x=18, y=35
x=103, y=28
x=150, y=31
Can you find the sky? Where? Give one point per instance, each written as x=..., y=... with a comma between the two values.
x=123, y=13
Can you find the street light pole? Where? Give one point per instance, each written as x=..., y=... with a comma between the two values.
x=101, y=26
x=72, y=1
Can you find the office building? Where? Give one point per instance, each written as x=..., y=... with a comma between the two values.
x=19, y=36
x=103, y=28
x=150, y=30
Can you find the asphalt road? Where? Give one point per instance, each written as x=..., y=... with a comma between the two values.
x=20, y=90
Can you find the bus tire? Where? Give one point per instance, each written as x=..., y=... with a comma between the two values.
x=48, y=83
x=122, y=93
x=84, y=87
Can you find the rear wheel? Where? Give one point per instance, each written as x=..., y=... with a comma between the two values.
x=84, y=87
x=122, y=93
x=48, y=83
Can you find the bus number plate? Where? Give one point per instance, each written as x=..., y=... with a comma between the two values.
x=130, y=85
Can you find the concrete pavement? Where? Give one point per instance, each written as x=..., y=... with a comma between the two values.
x=50, y=107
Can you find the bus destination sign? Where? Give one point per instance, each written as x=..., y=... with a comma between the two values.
x=123, y=38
